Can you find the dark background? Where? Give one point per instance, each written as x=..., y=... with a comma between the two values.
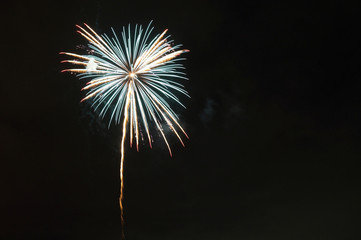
x=274, y=124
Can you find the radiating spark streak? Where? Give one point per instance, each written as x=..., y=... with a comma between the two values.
x=75, y=55
x=103, y=80
x=152, y=48
x=143, y=117
x=155, y=102
x=130, y=77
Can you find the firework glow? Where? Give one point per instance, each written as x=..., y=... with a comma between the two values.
x=132, y=80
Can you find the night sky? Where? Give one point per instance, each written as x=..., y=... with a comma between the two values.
x=274, y=121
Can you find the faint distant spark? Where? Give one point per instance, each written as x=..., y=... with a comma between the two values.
x=133, y=79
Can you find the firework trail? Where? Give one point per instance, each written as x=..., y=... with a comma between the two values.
x=131, y=81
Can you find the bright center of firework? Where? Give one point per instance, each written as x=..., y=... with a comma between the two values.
x=131, y=75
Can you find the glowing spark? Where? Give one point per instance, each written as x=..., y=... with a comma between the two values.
x=91, y=66
x=131, y=77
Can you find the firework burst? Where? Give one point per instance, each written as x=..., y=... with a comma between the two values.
x=132, y=80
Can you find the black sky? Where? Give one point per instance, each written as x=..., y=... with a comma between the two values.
x=274, y=124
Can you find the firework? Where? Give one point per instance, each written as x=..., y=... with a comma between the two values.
x=132, y=79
